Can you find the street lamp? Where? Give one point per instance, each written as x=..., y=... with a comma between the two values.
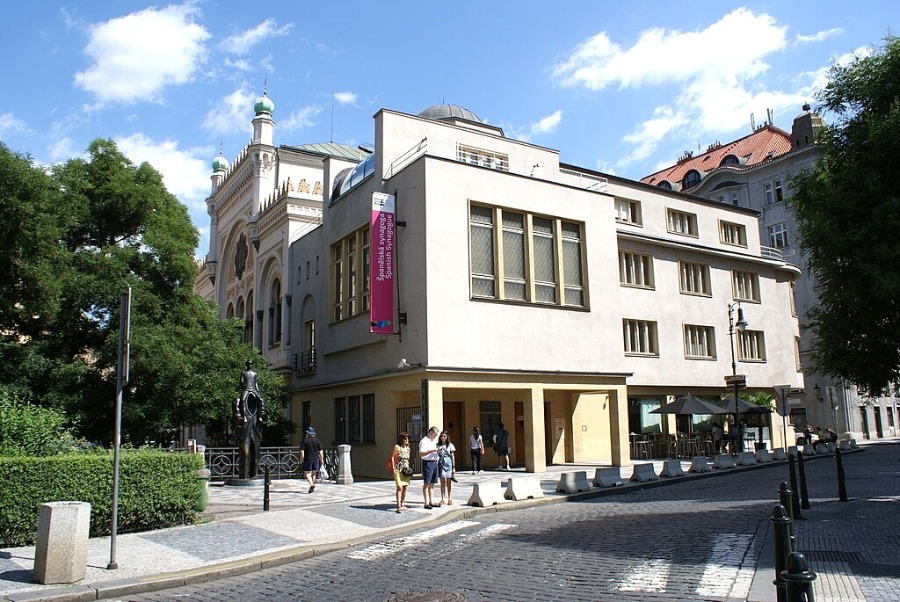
x=741, y=325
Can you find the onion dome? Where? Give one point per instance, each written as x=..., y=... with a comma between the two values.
x=264, y=105
x=220, y=163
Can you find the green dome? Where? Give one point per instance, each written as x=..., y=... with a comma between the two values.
x=264, y=106
x=220, y=163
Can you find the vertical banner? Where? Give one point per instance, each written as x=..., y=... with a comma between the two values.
x=381, y=305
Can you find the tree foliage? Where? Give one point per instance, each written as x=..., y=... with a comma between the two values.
x=848, y=209
x=73, y=238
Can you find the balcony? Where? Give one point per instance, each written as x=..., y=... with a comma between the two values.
x=305, y=362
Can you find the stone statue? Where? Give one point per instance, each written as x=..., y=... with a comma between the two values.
x=250, y=416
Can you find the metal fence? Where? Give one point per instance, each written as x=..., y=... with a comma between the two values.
x=283, y=462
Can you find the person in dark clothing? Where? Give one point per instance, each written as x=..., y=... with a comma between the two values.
x=312, y=457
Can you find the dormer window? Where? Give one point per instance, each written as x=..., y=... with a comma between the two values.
x=691, y=178
x=665, y=185
x=730, y=160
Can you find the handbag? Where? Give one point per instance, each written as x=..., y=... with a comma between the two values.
x=406, y=471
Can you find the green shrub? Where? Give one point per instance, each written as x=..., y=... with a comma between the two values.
x=31, y=430
x=156, y=489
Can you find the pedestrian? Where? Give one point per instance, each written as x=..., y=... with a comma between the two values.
x=476, y=448
x=400, y=468
x=446, y=466
x=501, y=447
x=717, y=438
x=311, y=457
x=428, y=453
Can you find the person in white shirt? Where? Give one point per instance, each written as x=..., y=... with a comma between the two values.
x=476, y=448
x=428, y=453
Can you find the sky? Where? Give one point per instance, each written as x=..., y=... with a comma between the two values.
x=619, y=87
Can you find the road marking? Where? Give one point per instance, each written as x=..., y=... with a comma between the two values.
x=723, y=565
x=648, y=576
x=385, y=548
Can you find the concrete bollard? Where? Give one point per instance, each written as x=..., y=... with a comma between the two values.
x=762, y=456
x=573, y=482
x=853, y=444
x=486, y=494
x=644, y=472
x=672, y=468
x=746, y=459
x=781, y=527
x=700, y=465
x=842, y=485
x=804, y=493
x=608, y=477
x=522, y=488
x=723, y=461
x=60, y=554
x=345, y=470
x=795, y=499
x=798, y=579
x=779, y=455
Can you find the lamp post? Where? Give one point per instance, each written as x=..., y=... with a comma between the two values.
x=741, y=324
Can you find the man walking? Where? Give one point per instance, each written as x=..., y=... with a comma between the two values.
x=311, y=457
x=428, y=453
x=501, y=447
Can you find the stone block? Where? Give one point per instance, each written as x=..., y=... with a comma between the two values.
x=845, y=446
x=853, y=444
x=573, y=482
x=643, y=473
x=672, y=468
x=522, y=488
x=700, y=465
x=809, y=450
x=486, y=494
x=779, y=454
x=792, y=451
x=831, y=446
x=60, y=554
x=762, y=456
x=608, y=477
x=746, y=459
x=723, y=461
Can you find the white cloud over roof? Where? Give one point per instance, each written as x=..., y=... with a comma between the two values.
x=135, y=57
x=244, y=42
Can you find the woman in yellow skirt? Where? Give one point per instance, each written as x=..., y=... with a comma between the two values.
x=399, y=464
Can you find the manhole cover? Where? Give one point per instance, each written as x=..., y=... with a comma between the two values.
x=429, y=595
x=832, y=556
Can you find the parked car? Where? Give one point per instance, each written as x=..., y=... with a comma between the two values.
x=800, y=438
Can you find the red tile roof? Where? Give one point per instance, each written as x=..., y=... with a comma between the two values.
x=762, y=145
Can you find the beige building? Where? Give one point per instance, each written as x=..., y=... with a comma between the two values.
x=559, y=301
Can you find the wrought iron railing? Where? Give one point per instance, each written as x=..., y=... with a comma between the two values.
x=283, y=462
x=305, y=361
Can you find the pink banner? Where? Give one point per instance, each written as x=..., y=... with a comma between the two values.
x=381, y=306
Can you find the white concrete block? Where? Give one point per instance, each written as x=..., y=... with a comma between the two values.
x=779, y=454
x=573, y=482
x=60, y=554
x=345, y=469
x=746, y=459
x=644, y=472
x=845, y=446
x=672, y=468
x=700, y=465
x=486, y=494
x=762, y=456
x=853, y=444
x=723, y=461
x=522, y=488
x=608, y=477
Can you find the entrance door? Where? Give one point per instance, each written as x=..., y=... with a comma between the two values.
x=865, y=422
x=453, y=416
x=519, y=450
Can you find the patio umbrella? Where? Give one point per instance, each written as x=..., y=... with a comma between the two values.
x=745, y=406
x=688, y=405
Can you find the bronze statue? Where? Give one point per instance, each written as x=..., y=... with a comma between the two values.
x=250, y=416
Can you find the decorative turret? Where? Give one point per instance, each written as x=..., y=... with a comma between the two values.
x=264, y=105
x=263, y=125
x=805, y=127
x=219, y=167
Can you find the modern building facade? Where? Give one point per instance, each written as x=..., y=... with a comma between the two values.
x=755, y=172
x=564, y=303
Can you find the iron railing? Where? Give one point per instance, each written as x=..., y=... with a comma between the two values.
x=305, y=361
x=283, y=462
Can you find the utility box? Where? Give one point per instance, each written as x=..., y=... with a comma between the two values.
x=60, y=554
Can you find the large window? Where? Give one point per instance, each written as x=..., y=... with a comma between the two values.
x=275, y=313
x=778, y=236
x=680, y=222
x=482, y=157
x=699, y=342
x=640, y=337
x=528, y=258
x=694, y=278
x=732, y=234
x=628, y=211
x=752, y=346
x=350, y=265
x=773, y=191
x=635, y=269
x=745, y=286
x=354, y=419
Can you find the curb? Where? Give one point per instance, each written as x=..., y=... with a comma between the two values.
x=140, y=585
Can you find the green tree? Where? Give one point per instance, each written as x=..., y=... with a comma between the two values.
x=105, y=224
x=848, y=210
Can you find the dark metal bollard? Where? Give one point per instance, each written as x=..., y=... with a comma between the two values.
x=786, y=499
x=781, y=525
x=266, y=490
x=804, y=495
x=798, y=579
x=842, y=486
x=795, y=499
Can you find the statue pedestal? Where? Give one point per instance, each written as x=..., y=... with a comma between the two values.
x=255, y=482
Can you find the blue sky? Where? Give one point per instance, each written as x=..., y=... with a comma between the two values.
x=621, y=87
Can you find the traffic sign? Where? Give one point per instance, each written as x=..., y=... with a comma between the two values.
x=736, y=380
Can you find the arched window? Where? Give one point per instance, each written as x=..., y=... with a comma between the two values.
x=730, y=160
x=229, y=312
x=691, y=178
x=665, y=185
x=275, y=313
x=248, y=323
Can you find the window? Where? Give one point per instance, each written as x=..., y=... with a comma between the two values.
x=484, y=158
x=665, y=185
x=730, y=160
x=793, y=301
x=694, y=278
x=305, y=361
x=353, y=419
x=628, y=212
x=350, y=267
x=489, y=418
x=680, y=222
x=528, y=258
x=691, y=178
x=778, y=236
x=635, y=269
x=745, y=286
x=306, y=419
x=699, y=342
x=275, y=314
x=797, y=354
x=751, y=346
x=732, y=234
x=640, y=337
x=773, y=192
x=734, y=199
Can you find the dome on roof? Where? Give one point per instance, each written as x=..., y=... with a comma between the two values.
x=444, y=111
x=264, y=105
x=220, y=163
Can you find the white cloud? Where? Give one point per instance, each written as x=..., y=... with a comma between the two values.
x=136, y=56
x=648, y=134
x=546, y=125
x=346, y=98
x=9, y=123
x=185, y=172
x=244, y=42
x=239, y=64
x=301, y=118
x=232, y=115
x=819, y=36
x=63, y=149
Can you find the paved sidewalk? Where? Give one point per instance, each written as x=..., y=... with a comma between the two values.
x=239, y=537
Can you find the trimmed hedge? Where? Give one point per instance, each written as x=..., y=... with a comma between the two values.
x=156, y=489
